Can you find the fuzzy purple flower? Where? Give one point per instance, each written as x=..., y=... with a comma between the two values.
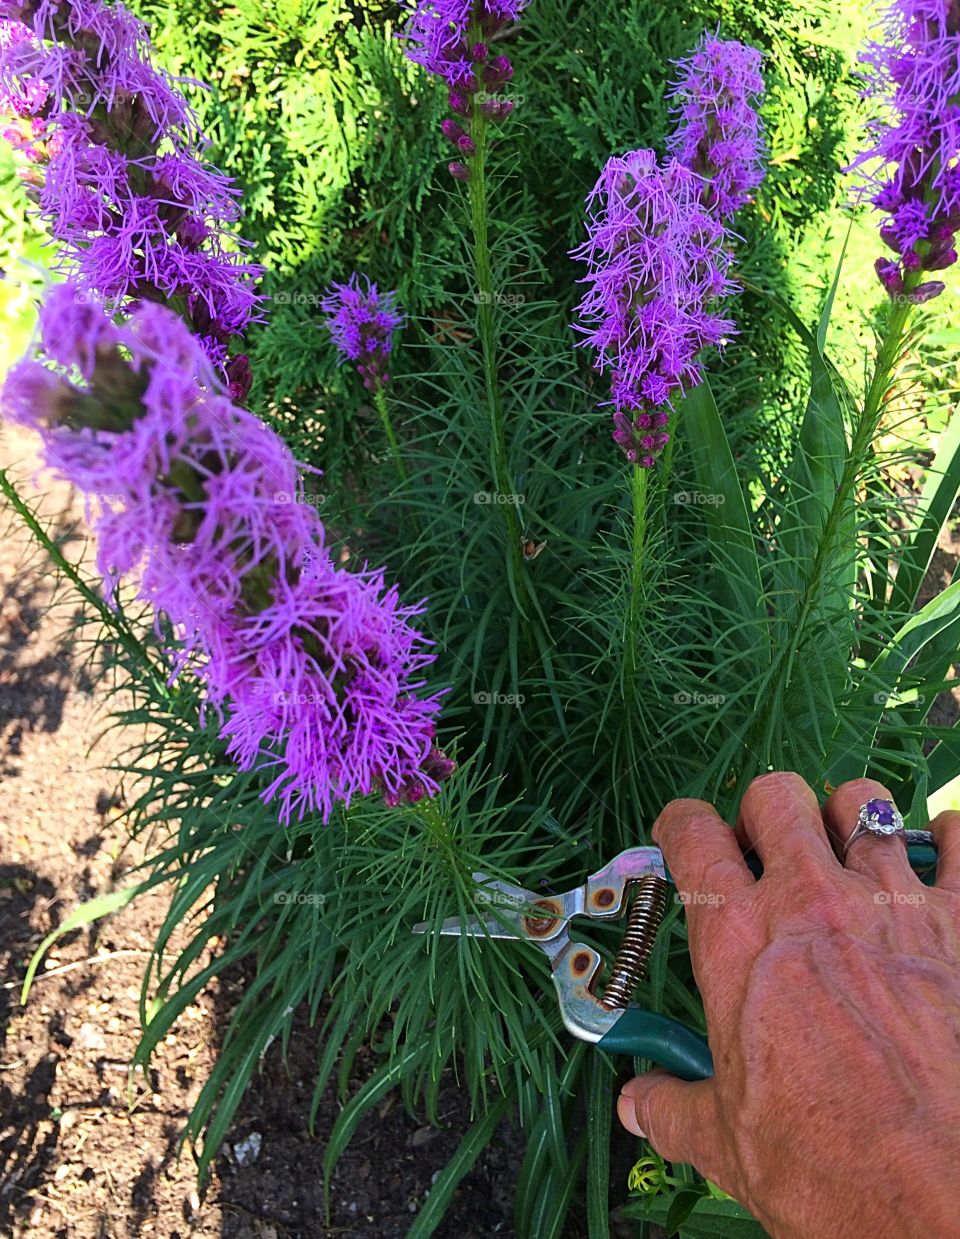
x=657, y=266
x=117, y=167
x=717, y=130
x=362, y=321
x=440, y=36
x=912, y=167
x=315, y=671
x=451, y=38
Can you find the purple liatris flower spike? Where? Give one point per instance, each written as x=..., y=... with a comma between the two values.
x=451, y=38
x=316, y=672
x=717, y=126
x=439, y=35
x=117, y=169
x=911, y=166
x=362, y=321
x=657, y=266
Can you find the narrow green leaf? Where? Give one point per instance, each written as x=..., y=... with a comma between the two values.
x=380, y=1083
x=599, y=1108
x=682, y=1205
x=83, y=915
x=729, y=528
x=710, y=1219
x=469, y=1149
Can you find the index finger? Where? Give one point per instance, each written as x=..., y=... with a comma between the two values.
x=702, y=853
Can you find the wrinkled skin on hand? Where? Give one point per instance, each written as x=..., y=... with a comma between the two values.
x=832, y=995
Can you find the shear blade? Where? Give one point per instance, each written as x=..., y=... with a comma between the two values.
x=470, y=927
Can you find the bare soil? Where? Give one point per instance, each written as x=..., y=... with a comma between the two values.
x=86, y=1150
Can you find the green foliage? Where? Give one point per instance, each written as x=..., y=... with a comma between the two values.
x=608, y=646
x=334, y=139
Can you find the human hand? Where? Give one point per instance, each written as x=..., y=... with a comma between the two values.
x=832, y=996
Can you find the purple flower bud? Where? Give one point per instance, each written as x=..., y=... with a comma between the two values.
x=239, y=377
x=451, y=129
x=479, y=52
x=504, y=108
x=467, y=144
x=438, y=765
x=499, y=67
x=910, y=260
x=926, y=292
x=459, y=102
x=888, y=235
x=459, y=171
x=889, y=275
x=940, y=260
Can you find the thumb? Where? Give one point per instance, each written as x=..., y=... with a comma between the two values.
x=677, y=1117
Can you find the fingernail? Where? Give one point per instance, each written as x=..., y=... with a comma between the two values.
x=627, y=1113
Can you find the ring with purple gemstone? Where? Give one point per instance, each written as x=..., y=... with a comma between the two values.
x=880, y=818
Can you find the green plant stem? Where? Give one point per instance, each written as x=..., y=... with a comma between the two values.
x=500, y=469
x=112, y=620
x=639, y=492
x=380, y=400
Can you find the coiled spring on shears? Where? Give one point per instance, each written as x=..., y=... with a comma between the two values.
x=630, y=965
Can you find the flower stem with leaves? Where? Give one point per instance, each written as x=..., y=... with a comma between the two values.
x=499, y=462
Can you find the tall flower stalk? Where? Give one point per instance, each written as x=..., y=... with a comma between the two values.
x=315, y=672
x=362, y=322
x=657, y=269
x=911, y=168
x=659, y=256
x=453, y=39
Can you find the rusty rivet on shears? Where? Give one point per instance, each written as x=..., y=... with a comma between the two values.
x=580, y=963
x=604, y=897
x=539, y=925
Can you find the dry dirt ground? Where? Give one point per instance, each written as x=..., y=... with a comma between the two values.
x=85, y=1151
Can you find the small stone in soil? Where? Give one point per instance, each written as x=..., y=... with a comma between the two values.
x=247, y=1151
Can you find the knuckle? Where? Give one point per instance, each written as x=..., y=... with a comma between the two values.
x=774, y=787
x=682, y=814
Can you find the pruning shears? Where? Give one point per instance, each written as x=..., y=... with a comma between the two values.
x=636, y=882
